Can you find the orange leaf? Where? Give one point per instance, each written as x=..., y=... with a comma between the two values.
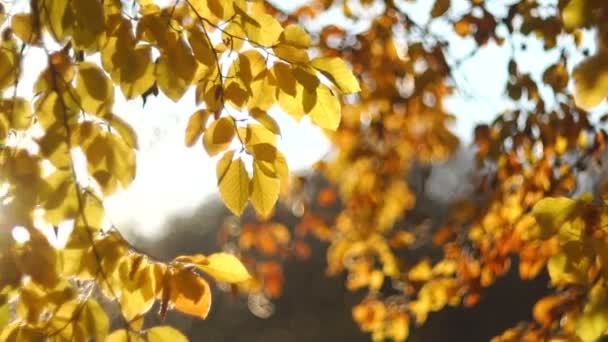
x=190, y=293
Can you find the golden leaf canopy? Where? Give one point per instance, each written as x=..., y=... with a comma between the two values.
x=98, y=53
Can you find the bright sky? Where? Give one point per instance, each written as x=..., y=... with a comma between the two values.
x=172, y=178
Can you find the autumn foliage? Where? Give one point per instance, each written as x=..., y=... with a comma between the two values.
x=64, y=151
x=528, y=164
x=240, y=60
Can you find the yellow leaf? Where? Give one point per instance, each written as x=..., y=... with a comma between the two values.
x=201, y=46
x=220, y=9
x=210, y=92
x=577, y=13
x=225, y=267
x=250, y=65
x=165, y=333
x=551, y=213
x=63, y=203
x=247, y=67
x=85, y=133
x=233, y=29
x=326, y=111
x=175, y=69
x=121, y=160
x=126, y=132
x=137, y=283
x=38, y=259
x=233, y=182
x=264, y=190
x=398, y=328
x=262, y=30
x=263, y=90
x=567, y=268
x=53, y=146
x=94, y=89
x=236, y=93
x=47, y=109
x=337, y=72
x=265, y=153
x=57, y=17
x=136, y=72
x=223, y=9
x=93, y=212
x=8, y=65
x=118, y=45
x=591, y=81
x=152, y=28
x=258, y=134
x=5, y=315
x=21, y=24
x=280, y=165
x=593, y=322
x=94, y=320
x=123, y=335
x=290, y=92
x=113, y=248
x=4, y=127
x=291, y=53
x=89, y=23
x=196, y=126
x=422, y=271
x=196, y=259
x=18, y=112
x=17, y=332
x=79, y=263
x=376, y=279
x=218, y=136
x=266, y=120
x=295, y=35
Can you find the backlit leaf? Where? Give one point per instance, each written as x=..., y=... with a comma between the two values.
x=551, y=213
x=326, y=111
x=593, y=322
x=121, y=160
x=296, y=36
x=189, y=293
x=165, y=333
x=264, y=29
x=264, y=190
x=289, y=91
x=8, y=62
x=136, y=72
x=233, y=182
x=126, y=132
x=94, y=320
x=196, y=126
x=225, y=267
x=21, y=24
x=57, y=16
x=337, y=72
x=591, y=81
x=258, y=134
x=218, y=136
x=5, y=315
x=123, y=335
x=89, y=21
x=576, y=14
x=94, y=89
x=175, y=69
x=266, y=120
x=201, y=47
